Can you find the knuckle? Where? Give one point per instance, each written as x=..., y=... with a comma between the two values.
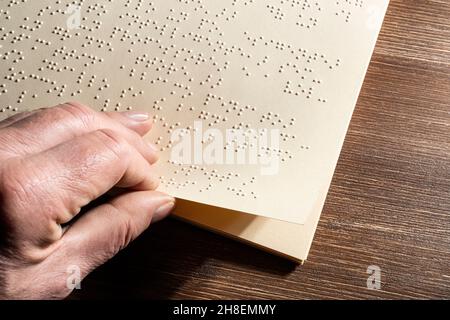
x=78, y=111
x=113, y=142
x=77, y=107
x=124, y=232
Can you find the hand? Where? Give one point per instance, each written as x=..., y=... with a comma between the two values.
x=54, y=162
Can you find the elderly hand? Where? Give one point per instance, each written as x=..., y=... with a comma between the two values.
x=54, y=162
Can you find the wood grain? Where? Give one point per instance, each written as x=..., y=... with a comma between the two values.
x=389, y=204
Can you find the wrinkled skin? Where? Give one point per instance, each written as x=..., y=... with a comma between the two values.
x=54, y=162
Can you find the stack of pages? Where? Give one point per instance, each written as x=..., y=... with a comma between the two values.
x=251, y=98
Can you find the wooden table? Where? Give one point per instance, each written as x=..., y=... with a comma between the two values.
x=389, y=204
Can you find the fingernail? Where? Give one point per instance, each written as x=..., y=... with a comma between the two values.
x=164, y=210
x=137, y=116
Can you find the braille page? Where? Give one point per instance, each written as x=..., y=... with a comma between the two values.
x=251, y=99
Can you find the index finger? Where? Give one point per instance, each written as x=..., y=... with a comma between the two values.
x=46, y=128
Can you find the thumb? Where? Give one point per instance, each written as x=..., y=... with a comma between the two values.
x=102, y=232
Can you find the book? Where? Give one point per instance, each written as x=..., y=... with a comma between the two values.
x=251, y=99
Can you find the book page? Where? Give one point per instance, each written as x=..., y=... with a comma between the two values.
x=251, y=99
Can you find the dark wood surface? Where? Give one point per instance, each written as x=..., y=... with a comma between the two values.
x=389, y=204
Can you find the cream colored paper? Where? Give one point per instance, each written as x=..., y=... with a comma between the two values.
x=292, y=66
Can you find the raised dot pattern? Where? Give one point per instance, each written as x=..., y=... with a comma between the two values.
x=179, y=58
